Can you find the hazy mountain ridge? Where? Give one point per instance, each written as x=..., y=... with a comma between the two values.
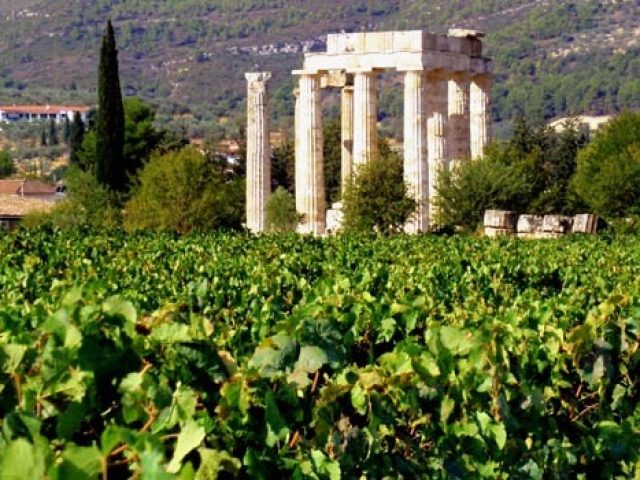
x=189, y=56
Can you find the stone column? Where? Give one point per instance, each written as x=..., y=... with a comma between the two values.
x=415, y=148
x=365, y=118
x=310, y=201
x=347, y=137
x=459, y=144
x=437, y=136
x=480, y=113
x=258, y=151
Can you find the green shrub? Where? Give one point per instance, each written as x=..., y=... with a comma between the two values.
x=7, y=167
x=608, y=175
x=378, y=198
x=281, y=212
x=473, y=187
x=182, y=191
x=88, y=203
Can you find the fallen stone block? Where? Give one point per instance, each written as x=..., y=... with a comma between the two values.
x=586, y=223
x=335, y=217
x=492, y=232
x=557, y=224
x=529, y=226
x=500, y=219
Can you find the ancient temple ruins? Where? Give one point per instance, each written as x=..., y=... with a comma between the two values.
x=447, y=115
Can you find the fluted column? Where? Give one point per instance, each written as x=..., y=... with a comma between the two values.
x=365, y=118
x=437, y=135
x=415, y=148
x=310, y=200
x=459, y=144
x=480, y=114
x=347, y=137
x=258, y=151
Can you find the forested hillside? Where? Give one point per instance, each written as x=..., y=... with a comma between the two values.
x=189, y=56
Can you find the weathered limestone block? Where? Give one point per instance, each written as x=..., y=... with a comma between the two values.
x=500, y=219
x=555, y=225
x=492, y=232
x=335, y=217
x=585, y=223
x=529, y=226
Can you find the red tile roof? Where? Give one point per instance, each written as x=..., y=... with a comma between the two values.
x=38, y=109
x=24, y=187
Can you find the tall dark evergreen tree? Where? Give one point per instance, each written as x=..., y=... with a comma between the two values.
x=43, y=138
x=76, y=137
x=67, y=130
x=110, y=164
x=53, y=133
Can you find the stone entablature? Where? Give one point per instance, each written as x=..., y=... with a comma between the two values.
x=460, y=50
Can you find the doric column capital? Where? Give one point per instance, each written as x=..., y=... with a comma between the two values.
x=257, y=77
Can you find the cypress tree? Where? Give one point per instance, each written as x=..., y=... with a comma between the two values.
x=110, y=164
x=43, y=138
x=67, y=130
x=76, y=137
x=53, y=133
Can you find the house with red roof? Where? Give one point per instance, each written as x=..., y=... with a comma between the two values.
x=38, y=113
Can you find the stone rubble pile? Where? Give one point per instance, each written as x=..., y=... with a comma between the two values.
x=503, y=223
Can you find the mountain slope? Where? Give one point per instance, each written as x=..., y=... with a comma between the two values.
x=189, y=56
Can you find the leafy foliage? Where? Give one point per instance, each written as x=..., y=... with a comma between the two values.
x=88, y=204
x=225, y=356
x=473, y=187
x=378, y=198
x=141, y=138
x=608, y=176
x=530, y=173
x=281, y=214
x=182, y=191
x=7, y=167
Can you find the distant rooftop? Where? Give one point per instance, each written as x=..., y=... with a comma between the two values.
x=39, y=109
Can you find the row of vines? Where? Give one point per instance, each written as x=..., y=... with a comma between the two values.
x=154, y=356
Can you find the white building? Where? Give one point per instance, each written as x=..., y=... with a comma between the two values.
x=38, y=113
x=592, y=123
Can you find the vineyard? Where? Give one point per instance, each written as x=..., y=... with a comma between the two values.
x=156, y=356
